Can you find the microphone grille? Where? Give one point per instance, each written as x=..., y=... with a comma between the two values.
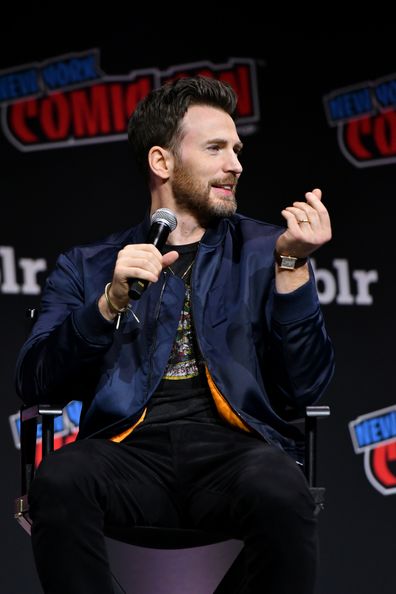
x=165, y=216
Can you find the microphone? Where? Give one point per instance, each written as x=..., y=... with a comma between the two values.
x=163, y=222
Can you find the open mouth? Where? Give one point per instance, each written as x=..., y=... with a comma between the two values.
x=224, y=190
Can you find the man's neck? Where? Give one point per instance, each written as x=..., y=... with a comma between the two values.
x=185, y=233
x=188, y=230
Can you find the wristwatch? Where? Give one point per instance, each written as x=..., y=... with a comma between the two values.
x=289, y=262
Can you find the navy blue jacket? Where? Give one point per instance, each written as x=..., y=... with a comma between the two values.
x=264, y=351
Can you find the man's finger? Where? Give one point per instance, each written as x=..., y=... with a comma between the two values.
x=169, y=258
x=318, y=193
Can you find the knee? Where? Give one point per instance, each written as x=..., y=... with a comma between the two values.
x=56, y=479
x=273, y=483
x=47, y=483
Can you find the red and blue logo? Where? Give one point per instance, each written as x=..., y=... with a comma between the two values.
x=374, y=435
x=69, y=101
x=365, y=118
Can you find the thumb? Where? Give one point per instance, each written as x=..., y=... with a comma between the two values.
x=169, y=258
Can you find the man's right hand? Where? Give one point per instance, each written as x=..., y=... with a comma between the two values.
x=143, y=261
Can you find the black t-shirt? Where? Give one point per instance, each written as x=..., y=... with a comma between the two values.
x=183, y=394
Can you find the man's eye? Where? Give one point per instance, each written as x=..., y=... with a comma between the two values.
x=214, y=147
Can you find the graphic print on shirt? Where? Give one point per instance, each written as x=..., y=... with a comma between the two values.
x=182, y=362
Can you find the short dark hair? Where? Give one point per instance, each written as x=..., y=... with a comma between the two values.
x=156, y=119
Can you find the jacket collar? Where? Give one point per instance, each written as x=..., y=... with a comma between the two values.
x=139, y=233
x=213, y=236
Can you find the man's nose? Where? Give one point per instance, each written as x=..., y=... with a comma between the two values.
x=233, y=164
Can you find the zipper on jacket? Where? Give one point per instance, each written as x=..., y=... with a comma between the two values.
x=236, y=413
x=207, y=366
x=156, y=316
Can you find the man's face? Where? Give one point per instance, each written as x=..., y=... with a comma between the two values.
x=206, y=167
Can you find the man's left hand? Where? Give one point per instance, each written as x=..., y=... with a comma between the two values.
x=308, y=227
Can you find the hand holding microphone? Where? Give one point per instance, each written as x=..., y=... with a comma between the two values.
x=163, y=222
x=139, y=264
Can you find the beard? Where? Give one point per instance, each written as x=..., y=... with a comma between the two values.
x=194, y=197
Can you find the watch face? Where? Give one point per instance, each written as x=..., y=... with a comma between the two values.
x=288, y=262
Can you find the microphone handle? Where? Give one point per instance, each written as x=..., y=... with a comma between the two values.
x=157, y=236
x=137, y=287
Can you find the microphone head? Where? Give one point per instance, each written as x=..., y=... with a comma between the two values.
x=166, y=217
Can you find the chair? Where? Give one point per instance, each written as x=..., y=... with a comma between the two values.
x=152, y=537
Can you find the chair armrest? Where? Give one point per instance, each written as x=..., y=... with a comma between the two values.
x=29, y=416
x=28, y=435
x=312, y=414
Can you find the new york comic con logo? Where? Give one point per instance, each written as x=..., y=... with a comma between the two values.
x=365, y=118
x=374, y=435
x=69, y=101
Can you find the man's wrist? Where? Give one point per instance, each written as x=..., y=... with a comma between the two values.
x=112, y=306
x=287, y=262
x=108, y=308
x=105, y=310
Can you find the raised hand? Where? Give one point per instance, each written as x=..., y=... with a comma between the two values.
x=308, y=226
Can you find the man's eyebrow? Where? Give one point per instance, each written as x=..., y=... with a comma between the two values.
x=238, y=145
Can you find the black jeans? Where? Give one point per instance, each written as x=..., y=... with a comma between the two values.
x=196, y=475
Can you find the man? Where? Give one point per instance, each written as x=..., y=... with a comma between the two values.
x=183, y=390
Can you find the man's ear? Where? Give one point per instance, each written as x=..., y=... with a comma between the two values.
x=160, y=162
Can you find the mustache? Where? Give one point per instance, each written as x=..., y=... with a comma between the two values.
x=230, y=180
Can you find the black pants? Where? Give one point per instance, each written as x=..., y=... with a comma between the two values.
x=196, y=475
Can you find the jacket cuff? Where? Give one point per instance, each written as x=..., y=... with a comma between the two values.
x=91, y=326
x=297, y=305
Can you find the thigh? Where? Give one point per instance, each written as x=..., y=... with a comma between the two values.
x=241, y=480
x=130, y=483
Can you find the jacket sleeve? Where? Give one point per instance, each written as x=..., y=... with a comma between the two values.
x=301, y=354
x=58, y=361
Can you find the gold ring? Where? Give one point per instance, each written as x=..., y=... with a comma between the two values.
x=304, y=221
